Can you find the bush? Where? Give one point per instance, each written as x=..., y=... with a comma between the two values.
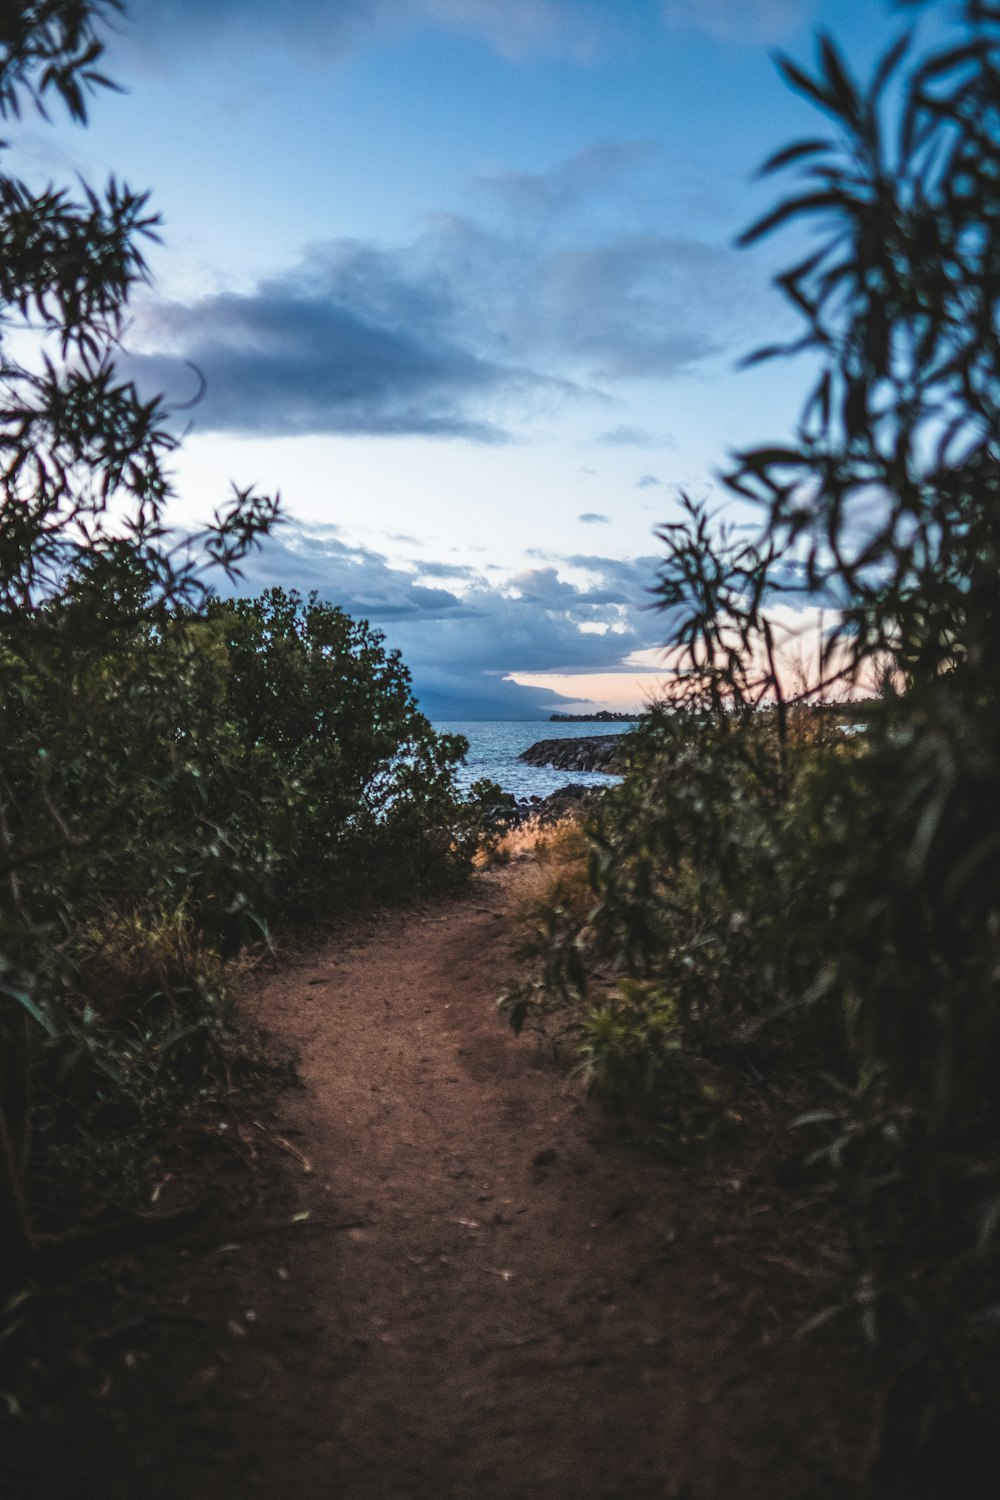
x=86, y=562
x=336, y=771
x=177, y=771
x=790, y=903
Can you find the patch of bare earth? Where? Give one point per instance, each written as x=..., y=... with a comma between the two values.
x=496, y=1293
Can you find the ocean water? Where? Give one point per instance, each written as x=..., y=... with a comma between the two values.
x=494, y=747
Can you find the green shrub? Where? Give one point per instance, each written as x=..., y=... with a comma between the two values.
x=177, y=771
x=823, y=910
x=335, y=767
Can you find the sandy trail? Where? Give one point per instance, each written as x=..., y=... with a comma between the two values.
x=501, y=1296
x=480, y=1289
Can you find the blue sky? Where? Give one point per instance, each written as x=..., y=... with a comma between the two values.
x=460, y=278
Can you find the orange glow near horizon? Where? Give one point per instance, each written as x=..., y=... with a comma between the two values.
x=619, y=692
x=646, y=676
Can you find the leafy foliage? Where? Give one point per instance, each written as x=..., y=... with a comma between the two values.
x=330, y=738
x=85, y=555
x=779, y=897
x=178, y=771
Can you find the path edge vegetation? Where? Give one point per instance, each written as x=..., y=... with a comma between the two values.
x=773, y=904
x=180, y=771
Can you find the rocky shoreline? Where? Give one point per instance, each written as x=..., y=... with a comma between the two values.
x=590, y=752
x=557, y=805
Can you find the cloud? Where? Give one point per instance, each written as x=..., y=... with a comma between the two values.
x=324, y=30
x=517, y=28
x=632, y=576
x=296, y=357
x=463, y=634
x=482, y=323
x=789, y=585
x=580, y=187
x=743, y=21
x=594, y=518
x=329, y=25
x=459, y=572
x=647, y=481
x=617, y=310
x=632, y=437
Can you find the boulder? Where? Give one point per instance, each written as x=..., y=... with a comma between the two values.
x=590, y=752
x=566, y=799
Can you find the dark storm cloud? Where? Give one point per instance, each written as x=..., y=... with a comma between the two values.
x=290, y=360
x=353, y=339
x=445, y=694
x=464, y=640
x=478, y=325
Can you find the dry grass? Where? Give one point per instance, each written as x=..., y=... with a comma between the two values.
x=129, y=963
x=555, y=856
x=535, y=838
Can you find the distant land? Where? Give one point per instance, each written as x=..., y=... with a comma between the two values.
x=602, y=716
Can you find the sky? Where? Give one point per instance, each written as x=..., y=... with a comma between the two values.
x=459, y=279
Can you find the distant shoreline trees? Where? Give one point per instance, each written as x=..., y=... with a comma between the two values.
x=600, y=716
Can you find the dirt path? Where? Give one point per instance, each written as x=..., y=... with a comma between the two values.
x=495, y=1295
x=526, y=1305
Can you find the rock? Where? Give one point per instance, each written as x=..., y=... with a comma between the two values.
x=591, y=752
x=546, y=810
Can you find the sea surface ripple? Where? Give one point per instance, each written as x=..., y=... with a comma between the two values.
x=495, y=744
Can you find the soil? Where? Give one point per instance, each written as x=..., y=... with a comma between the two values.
x=437, y=1270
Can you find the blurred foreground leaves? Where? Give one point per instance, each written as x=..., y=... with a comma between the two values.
x=773, y=900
